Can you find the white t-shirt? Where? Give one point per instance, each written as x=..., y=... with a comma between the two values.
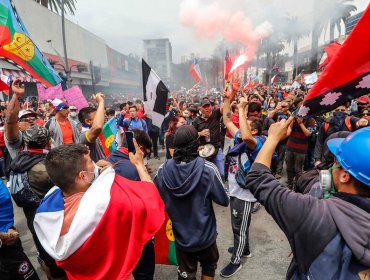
x=234, y=189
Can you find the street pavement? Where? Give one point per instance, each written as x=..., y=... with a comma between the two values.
x=269, y=246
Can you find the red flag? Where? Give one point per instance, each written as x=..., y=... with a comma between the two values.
x=249, y=85
x=227, y=65
x=347, y=76
x=330, y=51
x=194, y=71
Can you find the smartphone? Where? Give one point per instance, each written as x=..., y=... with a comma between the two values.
x=129, y=136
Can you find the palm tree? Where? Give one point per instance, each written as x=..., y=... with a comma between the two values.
x=296, y=31
x=336, y=12
x=341, y=12
x=271, y=46
x=55, y=5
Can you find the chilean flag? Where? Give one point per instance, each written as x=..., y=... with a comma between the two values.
x=346, y=77
x=116, y=217
x=274, y=79
x=194, y=71
x=5, y=82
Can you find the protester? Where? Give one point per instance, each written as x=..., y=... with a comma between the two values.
x=17, y=121
x=91, y=205
x=14, y=264
x=175, y=123
x=208, y=127
x=242, y=156
x=188, y=182
x=153, y=131
x=320, y=231
x=62, y=129
x=339, y=121
x=133, y=121
x=92, y=121
x=297, y=147
x=29, y=183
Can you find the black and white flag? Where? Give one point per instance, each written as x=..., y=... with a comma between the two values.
x=155, y=95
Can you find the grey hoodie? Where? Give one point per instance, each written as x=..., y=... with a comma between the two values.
x=188, y=190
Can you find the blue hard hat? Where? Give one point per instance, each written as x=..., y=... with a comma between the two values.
x=353, y=153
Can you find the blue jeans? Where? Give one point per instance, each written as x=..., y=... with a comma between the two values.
x=218, y=160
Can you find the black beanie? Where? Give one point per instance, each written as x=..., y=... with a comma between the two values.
x=184, y=135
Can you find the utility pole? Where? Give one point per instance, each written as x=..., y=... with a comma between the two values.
x=65, y=46
x=92, y=76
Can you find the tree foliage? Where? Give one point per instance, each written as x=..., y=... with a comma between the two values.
x=56, y=5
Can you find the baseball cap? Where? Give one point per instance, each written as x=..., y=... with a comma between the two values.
x=58, y=104
x=363, y=99
x=28, y=112
x=205, y=101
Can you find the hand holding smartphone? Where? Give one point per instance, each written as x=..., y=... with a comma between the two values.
x=129, y=136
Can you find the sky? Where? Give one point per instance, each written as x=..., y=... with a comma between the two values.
x=125, y=24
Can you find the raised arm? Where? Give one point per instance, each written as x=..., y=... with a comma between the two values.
x=228, y=99
x=11, y=124
x=98, y=123
x=245, y=130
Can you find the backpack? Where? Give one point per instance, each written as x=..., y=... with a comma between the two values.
x=239, y=149
x=20, y=188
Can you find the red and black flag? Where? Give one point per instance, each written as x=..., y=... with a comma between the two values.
x=346, y=77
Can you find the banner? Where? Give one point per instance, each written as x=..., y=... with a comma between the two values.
x=50, y=93
x=75, y=97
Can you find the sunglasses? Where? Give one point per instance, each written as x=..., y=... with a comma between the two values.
x=365, y=114
x=29, y=119
x=284, y=106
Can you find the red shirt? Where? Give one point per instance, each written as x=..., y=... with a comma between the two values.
x=67, y=132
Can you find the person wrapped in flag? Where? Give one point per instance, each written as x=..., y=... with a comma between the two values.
x=95, y=223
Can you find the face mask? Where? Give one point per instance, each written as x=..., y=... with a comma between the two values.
x=96, y=173
x=73, y=114
x=272, y=105
x=339, y=115
x=326, y=182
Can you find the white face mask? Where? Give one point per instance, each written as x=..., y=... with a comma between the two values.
x=73, y=114
x=272, y=105
x=96, y=173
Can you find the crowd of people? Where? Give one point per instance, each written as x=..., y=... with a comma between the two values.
x=229, y=149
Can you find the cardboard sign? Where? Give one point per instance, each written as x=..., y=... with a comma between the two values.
x=75, y=97
x=50, y=93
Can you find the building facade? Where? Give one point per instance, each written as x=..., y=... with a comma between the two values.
x=158, y=54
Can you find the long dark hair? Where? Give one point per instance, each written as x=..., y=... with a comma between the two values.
x=172, y=126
